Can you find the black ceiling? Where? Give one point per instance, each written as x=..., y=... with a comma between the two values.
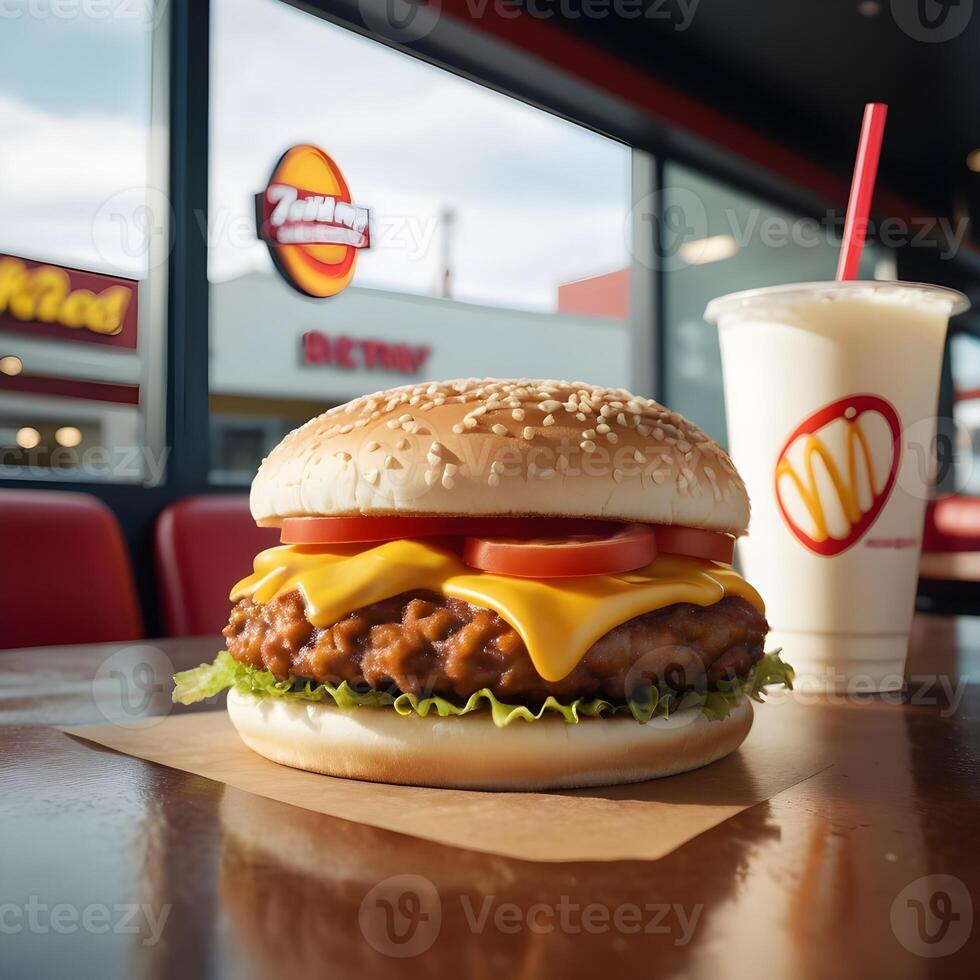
x=800, y=72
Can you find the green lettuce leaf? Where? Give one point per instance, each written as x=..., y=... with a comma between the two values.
x=208, y=680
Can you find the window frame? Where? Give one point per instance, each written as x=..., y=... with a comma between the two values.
x=179, y=286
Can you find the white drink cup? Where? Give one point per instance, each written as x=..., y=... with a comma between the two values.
x=831, y=392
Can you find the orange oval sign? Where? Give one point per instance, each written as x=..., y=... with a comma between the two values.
x=312, y=227
x=837, y=470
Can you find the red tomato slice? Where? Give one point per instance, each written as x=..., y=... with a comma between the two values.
x=358, y=530
x=695, y=542
x=581, y=554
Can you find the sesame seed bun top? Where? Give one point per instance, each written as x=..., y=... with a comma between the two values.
x=499, y=447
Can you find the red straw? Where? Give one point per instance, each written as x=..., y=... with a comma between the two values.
x=862, y=190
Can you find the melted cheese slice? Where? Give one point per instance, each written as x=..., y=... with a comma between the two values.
x=558, y=619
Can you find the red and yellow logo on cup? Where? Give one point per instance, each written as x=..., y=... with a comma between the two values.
x=837, y=470
x=309, y=221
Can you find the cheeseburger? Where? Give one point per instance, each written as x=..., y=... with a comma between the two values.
x=497, y=584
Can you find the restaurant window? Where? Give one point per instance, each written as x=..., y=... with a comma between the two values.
x=499, y=234
x=81, y=328
x=716, y=240
x=964, y=350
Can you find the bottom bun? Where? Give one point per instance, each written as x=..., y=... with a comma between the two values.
x=470, y=752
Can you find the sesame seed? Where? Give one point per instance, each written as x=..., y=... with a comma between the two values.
x=391, y=463
x=344, y=429
x=430, y=477
x=549, y=406
x=371, y=476
x=589, y=434
x=493, y=480
x=404, y=418
x=447, y=481
x=612, y=437
x=581, y=416
x=343, y=456
x=436, y=447
x=371, y=446
x=470, y=422
x=684, y=447
x=528, y=433
x=638, y=456
x=402, y=444
x=588, y=446
x=602, y=428
x=393, y=424
x=659, y=476
x=451, y=469
x=498, y=429
x=644, y=430
x=496, y=466
x=658, y=433
x=618, y=476
x=549, y=420
x=518, y=414
x=432, y=459
x=479, y=410
x=457, y=428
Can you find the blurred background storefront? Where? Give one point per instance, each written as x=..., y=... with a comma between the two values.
x=552, y=193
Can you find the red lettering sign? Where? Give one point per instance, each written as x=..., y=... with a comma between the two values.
x=369, y=355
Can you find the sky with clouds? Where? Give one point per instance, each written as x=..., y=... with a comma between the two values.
x=537, y=200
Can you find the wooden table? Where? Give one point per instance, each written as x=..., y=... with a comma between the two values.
x=116, y=867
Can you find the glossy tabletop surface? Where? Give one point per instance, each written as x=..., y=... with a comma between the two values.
x=112, y=866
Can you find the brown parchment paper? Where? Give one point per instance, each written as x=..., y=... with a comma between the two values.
x=641, y=821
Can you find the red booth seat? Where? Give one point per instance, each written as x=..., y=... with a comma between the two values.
x=204, y=545
x=65, y=575
x=952, y=524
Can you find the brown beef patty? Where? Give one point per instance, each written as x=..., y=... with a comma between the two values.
x=430, y=644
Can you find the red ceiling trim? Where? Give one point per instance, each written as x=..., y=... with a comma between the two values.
x=99, y=391
x=663, y=103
